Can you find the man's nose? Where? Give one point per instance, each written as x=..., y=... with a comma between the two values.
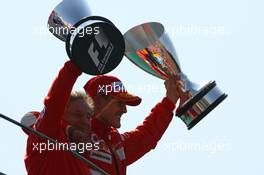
x=86, y=121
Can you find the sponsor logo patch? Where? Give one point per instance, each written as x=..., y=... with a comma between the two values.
x=121, y=154
x=104, y=157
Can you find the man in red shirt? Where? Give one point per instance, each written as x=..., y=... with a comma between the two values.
x=62, y=110
x=117, y=151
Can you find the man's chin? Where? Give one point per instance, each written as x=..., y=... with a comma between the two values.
x=117, y=125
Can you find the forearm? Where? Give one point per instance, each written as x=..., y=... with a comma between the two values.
x=145, y=137
x=56, y=100
x=159, y=119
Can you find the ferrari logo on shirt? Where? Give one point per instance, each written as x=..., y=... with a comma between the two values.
x=103, y=146
x=101, y=143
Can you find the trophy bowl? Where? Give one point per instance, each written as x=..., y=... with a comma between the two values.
x=149, y=47
x=93, y=43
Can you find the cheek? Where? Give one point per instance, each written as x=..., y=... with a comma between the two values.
x=114, y=109
x=109, y=111
x=66, y=117
x=110, y=118
x=71, y=120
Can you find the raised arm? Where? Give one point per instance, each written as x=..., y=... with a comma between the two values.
x=146, y=136
x=56, y=100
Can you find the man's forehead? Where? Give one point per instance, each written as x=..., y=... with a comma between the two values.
x=79, y=106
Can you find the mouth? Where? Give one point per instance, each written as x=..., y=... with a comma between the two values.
x=117, y=121
x=118, y=117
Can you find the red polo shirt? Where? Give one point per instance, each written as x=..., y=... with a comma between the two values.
x=50, y=161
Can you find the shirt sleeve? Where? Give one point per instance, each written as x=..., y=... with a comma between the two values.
x=56, y=100
x=145, y=136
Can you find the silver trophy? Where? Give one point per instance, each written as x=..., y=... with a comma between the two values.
x=150, y=48
x=93, y=43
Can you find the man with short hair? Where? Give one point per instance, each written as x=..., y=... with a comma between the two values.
x=117, y=151
x=65, y=118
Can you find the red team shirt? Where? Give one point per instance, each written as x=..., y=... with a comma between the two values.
x=116, y=151
x=56, y=162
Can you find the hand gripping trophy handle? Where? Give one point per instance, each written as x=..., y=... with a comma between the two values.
x=150, y=48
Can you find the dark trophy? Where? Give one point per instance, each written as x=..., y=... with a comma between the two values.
x=93, y=43
x=150, y=48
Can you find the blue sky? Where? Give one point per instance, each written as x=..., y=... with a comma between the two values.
x=215, y=40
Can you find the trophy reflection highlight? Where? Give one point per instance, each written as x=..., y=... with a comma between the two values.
x=150, y=48
x=65, y=15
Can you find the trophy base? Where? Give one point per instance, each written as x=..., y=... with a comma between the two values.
x=197, y=107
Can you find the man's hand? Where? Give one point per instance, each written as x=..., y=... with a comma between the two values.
x=175, y=89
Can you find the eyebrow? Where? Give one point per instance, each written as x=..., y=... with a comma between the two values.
x=83, y=112
x=78, y=111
